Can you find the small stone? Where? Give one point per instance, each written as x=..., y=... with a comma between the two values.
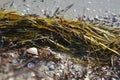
x=30, y=65
x=0, y=58
x=70, y=62
x=60, y=71
x=79, y=74
x=80, y=68
x=58, y=56
x=32, y=50
x=108, y=73
x=113, y=79
x=50, y=73
x=14, y=55
x=72, y=72
x=10, y=74
x=33, y=74
x=49, y=78
x=53, y=53
x=51, y=67
x=119, y=59
x=57, y=74
x=43, y=79
x=15, y=62
x=104, y=68
x=11, y=78
x=62, y=66
x=73, y=79
x=51, y=62
x=87, y=78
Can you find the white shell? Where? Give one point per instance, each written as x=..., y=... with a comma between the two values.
x=32, y=50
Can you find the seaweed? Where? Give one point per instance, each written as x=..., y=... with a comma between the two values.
x=99, y=42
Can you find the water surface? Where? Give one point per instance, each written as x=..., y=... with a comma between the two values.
x=81, y=7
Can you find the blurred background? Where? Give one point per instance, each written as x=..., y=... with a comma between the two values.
x=89, y=8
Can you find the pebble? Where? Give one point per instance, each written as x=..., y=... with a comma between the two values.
x=62, y=66
x=33, y=74
x=80, y=68
x=53, y=53
x=48, y=78
x=73, y=79
x=13, y=55
x=58, y=56
x=113, y=79
x=47, y=69
x=51, y=67
x=108, y=73
x=32, y=50
x=50, y=73
x=15, y=62
x=11, y=78
x=60, y=71
x=0, y=58
x=57, y=74
x=43, y=68
x=30, y=65
x=79, y=74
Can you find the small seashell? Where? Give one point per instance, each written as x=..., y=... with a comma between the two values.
x=32, y=50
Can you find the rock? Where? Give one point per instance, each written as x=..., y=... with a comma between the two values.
x=113, y=79
x=57, y=74
x=11, y=78
x=50, y=63
x=62, y=66
x=43, y=67
x=15, y=62
x=30, y=65
x=13, y=54
x=51, y=67
x=58, y=56
x=60, y=71
x=73, y=79
x=33, y=74
x=43, y=79
x=48, y=78
x=32, y=50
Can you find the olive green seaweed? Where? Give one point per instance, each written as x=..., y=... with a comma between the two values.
x=60, y=33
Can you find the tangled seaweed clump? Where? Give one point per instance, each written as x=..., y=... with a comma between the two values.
x=98, y=43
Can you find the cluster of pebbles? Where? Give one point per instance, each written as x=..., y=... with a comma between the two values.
x=45, y=64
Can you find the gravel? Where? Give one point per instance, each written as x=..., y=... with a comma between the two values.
x=15, y=67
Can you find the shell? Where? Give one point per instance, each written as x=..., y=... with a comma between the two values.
x=32, y=50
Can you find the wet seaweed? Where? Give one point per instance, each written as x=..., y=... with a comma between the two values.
x=59, y=33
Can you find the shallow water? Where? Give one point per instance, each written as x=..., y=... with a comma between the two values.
x=87, y=7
